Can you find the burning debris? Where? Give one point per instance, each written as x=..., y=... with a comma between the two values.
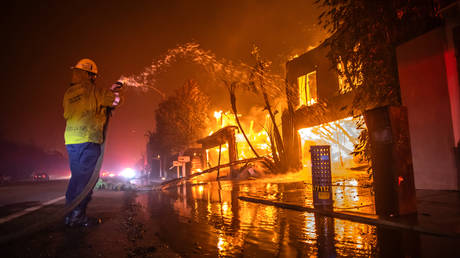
x=256, y=132
x=341, y=135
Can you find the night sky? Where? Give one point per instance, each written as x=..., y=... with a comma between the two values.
x=42, y=39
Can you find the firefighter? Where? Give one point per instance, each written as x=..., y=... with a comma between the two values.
x=86, y=110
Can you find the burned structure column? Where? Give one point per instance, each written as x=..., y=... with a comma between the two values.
x=391, y=161
x=232, y=151
x=291, y=141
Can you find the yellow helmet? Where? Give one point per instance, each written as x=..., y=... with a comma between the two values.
x=86, y=64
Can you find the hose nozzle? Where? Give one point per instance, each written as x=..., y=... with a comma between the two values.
x=117, y=86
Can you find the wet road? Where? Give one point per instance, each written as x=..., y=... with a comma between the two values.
x=17, y=197
x=208, y=219
x=123, y=232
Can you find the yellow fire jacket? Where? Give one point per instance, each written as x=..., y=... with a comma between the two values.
x=85, y=112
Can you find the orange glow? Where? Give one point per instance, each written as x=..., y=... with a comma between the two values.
x=220, y=203
x=344, y=86
x=218, y=114
x=341, y=135
x=310, y=229
x=307, y=89
x=225, y=207
x=258, y=136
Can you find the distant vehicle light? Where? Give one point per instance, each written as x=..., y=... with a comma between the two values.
x=163, y=178
x=40, y=177
x=128, y=173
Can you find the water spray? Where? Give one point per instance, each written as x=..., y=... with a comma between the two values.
x=221, y=69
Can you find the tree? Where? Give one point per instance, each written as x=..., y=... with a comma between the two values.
x=269, y=86
x=363, y=41
x=362, y=46
x=20, y=160
x=231, y=88
x=181, y=119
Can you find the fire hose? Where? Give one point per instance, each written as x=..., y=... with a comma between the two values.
x=60, y=214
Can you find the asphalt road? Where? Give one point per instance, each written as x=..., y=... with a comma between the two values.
x=123, y=232
x=209, y=220
x=17, y=197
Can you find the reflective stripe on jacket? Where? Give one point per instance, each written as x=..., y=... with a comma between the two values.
x=85, y=112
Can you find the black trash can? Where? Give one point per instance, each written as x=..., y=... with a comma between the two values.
x=321, y=174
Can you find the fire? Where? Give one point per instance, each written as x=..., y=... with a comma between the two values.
x=341, y=135
x=221, y=71
x=257, y=135
x=218, y=114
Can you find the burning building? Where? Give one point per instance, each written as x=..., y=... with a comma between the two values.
x=428, y=67
x=225, y=149
x=321, y=115
x=320, y=104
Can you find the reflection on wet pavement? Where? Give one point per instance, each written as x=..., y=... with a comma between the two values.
x=207, y=218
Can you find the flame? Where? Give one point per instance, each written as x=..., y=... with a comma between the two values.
x=218, y=114
x=257, y=135
x=220, y=70
x=341, y=135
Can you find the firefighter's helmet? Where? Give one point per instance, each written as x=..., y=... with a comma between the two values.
x=86, y=64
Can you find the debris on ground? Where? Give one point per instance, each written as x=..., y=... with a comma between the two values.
x=114, y=185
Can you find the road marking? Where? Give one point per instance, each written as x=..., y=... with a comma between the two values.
x=29, y=210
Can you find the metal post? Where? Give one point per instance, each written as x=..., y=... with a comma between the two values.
x=183, y=169
x=218, y=162
x=232, y=152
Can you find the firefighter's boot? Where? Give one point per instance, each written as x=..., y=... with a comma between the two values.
x=78, y=218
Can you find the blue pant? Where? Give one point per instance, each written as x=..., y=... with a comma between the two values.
x=83, y=158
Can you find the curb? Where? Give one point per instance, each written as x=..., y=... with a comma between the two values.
x=354, y=218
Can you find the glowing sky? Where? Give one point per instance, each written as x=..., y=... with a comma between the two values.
x=42, y=39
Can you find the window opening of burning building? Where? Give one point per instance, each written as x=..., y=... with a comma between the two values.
x=344, y=87
x=307, y=89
